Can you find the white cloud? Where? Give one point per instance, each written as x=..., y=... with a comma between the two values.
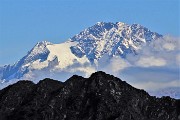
x=156, y=85
x=113, y=65
x=161, y=52
x=117, y=64
x=167, y=43
x=146, y=61
x=169, y=46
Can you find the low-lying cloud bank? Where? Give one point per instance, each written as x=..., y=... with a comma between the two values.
x=156, y=66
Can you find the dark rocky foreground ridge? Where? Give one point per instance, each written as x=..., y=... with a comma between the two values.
x=99, y=97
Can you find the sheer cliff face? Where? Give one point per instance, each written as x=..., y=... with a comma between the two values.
x=99, y=97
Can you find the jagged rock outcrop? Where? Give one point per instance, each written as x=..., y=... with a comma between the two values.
x=99, y=97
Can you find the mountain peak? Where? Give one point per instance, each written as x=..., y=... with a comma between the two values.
x=102, y=25
x=99, y=23
x=120, y=24
x=39, y=49
x=99, y=73
x=112, y=39
x=43, y=43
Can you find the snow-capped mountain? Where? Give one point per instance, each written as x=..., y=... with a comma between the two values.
x=112, y=39
x=87, y=47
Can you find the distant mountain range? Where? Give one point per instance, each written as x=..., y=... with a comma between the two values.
x=99, y=97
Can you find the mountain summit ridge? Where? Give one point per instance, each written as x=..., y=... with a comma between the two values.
x=99, y=97
x=113, y=38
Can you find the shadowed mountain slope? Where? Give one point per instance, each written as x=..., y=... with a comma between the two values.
x=99, y=97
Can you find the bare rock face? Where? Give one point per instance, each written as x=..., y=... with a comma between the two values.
x=99, y=97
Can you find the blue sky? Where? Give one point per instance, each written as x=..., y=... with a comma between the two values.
x=25, y=22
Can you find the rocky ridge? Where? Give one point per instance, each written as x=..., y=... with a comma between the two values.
x=99, y=97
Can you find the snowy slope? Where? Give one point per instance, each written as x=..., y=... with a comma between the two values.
x=44, y=55
x=112, y=39
x=64, y=55
x=85, y=48
x=17, y=70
